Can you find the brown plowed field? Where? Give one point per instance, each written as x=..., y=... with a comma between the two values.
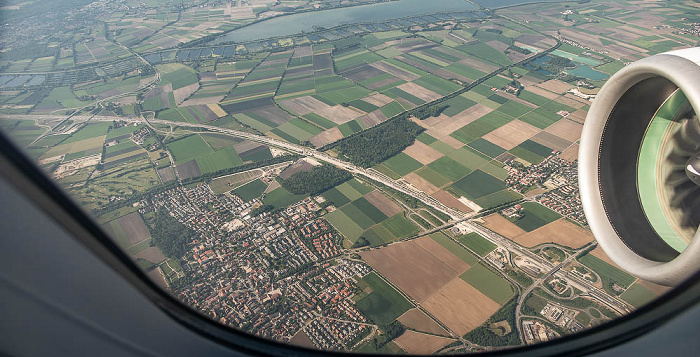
x=152, y=254
x=301, y=339
x=157, y=277
x=339, y=114
x=556, y=86
x=421, y=183
x=413, y=269
x=166, y=174
x=326, y=137
x=600, y=254
x=551, y=141
x=578, y=116
x=418, y=91
x=383, y=203
x=422, y=153
x=451, y=201
x=566, y=129
x=560, y=231
x=394, y=71
x=460, y=306
x=655, y=288
x=420, y=343
x=378, y=99
x=442, y=126
x=570, y=154
x=419, y=321
x=502, y=226
x=566, y=100
x=181, y=94
x=274, y=114
x=133, y=227
x=511, y=134
x=304, y=105
x=545, y=93
x=444, y=255
x=373, y=118
x=463, y=118
x=479, y=64
x=500, y=46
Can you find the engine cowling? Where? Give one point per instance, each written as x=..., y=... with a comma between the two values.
x=639, y=167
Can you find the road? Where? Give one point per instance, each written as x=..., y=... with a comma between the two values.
x=613, y=302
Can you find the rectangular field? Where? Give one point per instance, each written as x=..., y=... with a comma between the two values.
x=415, y=270
x=477, y=243
x=489, y=283
x=384, y=304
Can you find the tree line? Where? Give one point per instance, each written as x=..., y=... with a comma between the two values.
x=484, y=336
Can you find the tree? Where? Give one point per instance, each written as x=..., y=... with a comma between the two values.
x=319, y=179
x=170, y=235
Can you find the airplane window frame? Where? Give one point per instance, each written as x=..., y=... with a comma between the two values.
x=33, y=183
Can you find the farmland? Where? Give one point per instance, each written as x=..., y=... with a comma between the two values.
x=608, y=273
x=383, y=304
x=481, y=110
x=535, y=216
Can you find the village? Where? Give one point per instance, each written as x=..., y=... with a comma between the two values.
x=277, y=274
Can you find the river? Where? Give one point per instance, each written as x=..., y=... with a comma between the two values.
x=296, y=23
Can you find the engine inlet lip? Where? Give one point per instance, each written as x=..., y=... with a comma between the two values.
x=683, y=70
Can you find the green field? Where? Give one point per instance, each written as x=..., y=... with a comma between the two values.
x=449, y=168
x=607, y=272
x=335, y=196
x=638, y=295
x=219, y=160
x=280, y=198
x=402, y=164
x=384, y=304
x=455, y=248
x=514, y=109
x=486, y=147
x=368, y=209
x=497, y=198
x=188, y=148
x=226, y=183
x=359, y=187
x=481, y=126
x=489, y=283
x=346, y=226
x=378, y=235
x=399, y=226
x=87, y=132
x=478, y=184
x=477, y=243
x=356, y=214
x=535, y=216
x=251, y=190
x=433, y=176
x=348, y=191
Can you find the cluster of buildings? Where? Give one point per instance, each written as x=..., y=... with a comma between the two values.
x=321, y=236
x=536, y=331
x=273, y=274
x=521, y=177
x=564, y=197
x=562, y=317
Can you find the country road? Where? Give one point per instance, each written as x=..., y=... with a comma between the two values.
x=456, y=216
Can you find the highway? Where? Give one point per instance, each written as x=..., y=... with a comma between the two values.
x=613, y=302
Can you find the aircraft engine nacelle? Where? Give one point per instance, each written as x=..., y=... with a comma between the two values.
x=639, y=167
